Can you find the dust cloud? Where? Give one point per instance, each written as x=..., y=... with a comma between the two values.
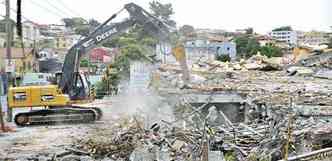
x=144, y=104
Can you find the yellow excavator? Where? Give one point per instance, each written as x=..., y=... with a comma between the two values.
x=72, y=87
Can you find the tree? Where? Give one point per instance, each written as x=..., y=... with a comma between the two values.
x=80, y=25
x=187, y=30
x=271, y=51
x=223, y=58
x=136, y=44
x=74, y=22
x=283, y=28
x=94, y=23
x=133, y=46
x=249, y=30
x=3, y=24
x=84, y=63
x=82, y=30
x=246, y=46
x=252, y=47
x=111, y=43
x=162, y=11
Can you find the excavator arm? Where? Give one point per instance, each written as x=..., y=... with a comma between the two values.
x=76, y=86
x=72, y=83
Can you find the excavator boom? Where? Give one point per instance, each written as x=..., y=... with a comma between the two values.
x=70, y=81
x=73, y=86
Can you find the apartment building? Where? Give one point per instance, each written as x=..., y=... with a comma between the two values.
x=285, y=36
x=312, y=38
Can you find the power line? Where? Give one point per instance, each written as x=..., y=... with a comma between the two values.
x=15, y=11
x=66, y=7
x=57, y=8
x=47, y=9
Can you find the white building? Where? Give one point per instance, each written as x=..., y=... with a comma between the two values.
x=30, y=33
x=55, y=29
x=289, y=37
x=206, y=49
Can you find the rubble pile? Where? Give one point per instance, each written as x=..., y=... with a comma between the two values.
x=274, y=87
x=239, y=141
x=296, y=92
x=287, y=115
x=289, y=125
x=115, y=142
x=183, y=138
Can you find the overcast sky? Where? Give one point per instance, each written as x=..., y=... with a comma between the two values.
x=262, y=15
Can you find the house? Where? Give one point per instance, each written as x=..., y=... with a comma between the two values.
x=264, y=40
x=30, y=33
x=226, y=48
x=101, y=55
x=55, y=36
x=24, y=62
x=313, y=38
x=3, y=32
x=285, y=36
x=200, y=49
x=61, y=42
x=56, y=29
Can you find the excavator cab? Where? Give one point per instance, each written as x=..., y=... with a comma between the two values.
x=81, y=86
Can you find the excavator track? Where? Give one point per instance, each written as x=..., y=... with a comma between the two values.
x=58, y=115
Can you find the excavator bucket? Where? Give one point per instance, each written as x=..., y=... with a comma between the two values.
x=151, y=24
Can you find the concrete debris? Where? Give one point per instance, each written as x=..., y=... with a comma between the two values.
x=128, y=140
x=117, y=143
x=324, y=73
x=250, y=110
x=270, y=95
x=322, y=59
x=298, y=70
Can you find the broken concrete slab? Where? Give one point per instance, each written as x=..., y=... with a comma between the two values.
x=324, y=73
x=301, y=71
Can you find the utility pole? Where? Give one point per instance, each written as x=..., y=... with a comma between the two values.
x=8, y=43
x=9, y=56
x=9, y=31
x=2, y=123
